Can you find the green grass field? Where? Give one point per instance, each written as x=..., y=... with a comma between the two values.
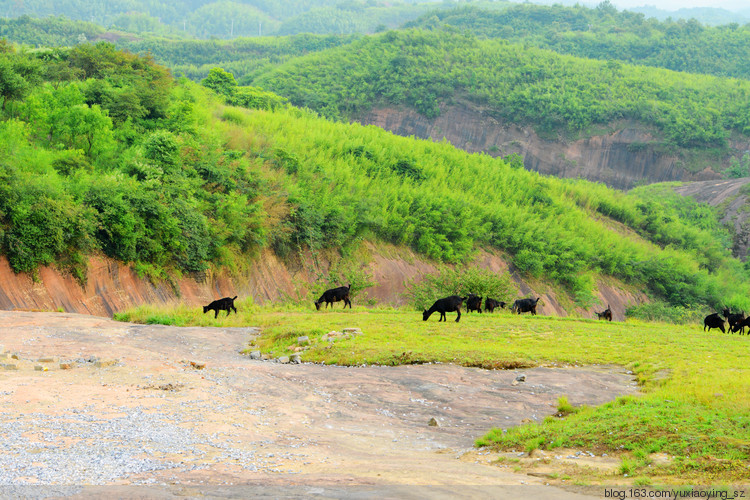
x=694, y=406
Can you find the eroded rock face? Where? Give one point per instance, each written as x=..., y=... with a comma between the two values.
x=729, y=194
x=621, y=159
x=113, y=286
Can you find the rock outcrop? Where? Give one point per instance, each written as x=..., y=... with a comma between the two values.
x=622, y=158
x=733, y=200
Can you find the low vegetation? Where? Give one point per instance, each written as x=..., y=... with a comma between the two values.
x=694, y=406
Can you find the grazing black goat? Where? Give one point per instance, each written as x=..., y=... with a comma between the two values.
x=713, y=321
x=525, y=305
x=225, y=304
x=335, y=295
x=740, y=327
x=491, y=304
x=605, y=314
x=734, y=319
x=473, y=303
x=448, y=304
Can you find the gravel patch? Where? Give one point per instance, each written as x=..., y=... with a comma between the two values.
x=81, y=448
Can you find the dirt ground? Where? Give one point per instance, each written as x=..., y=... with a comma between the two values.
x=135, y=416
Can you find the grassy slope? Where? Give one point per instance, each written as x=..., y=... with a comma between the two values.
x=695, y=404
x=552, y=227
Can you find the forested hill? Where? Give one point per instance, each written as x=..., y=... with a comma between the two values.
x=101, y=152
x=608, y=34
x=243, y=57
x=226, y=19
x=524, y=85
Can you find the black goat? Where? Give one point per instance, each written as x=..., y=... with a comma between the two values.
x=740, y=326
x=605, y=314
x=225, y=304
x=473, y=303
x=335, y=295
x=525, y=305
x=491, y=304
x=448, y=304
x=734, y=319
x=713, y=321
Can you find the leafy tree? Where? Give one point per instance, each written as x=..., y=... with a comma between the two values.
x=12, y=85
x=221, y=82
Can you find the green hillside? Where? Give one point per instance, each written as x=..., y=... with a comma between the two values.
x=606, y=33
x=243, y=57
x=230, y=18
x=101, y=151
x=521, y=84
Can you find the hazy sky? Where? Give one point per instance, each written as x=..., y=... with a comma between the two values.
x=678, y=4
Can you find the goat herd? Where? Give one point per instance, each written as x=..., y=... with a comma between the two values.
x=452, y=303
x=736, y=322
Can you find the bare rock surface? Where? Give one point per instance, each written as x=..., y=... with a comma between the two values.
x=153, y=421
x=622, y=157
x=732, y=198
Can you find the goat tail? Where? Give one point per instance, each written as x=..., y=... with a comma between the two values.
x=234, y=297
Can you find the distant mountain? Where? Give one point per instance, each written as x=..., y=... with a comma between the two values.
x=713, y=16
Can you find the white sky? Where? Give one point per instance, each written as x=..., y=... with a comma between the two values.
x=678, y=4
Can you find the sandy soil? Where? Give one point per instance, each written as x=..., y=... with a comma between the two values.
x=288, y=430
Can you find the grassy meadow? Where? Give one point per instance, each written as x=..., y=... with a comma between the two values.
x=694, y=405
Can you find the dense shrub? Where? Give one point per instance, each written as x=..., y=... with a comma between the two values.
x=422, y=292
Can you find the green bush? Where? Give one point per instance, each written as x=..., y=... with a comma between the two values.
x=422, y=292
x=660, y=311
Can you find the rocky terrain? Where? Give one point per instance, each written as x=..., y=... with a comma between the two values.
x=95, y=407
x=622, y=158
x=733, y=204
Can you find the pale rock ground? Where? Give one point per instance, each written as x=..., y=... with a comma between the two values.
x=151, y=425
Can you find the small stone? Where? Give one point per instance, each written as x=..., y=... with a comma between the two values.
x=304, y=340
x=15, y=356
x=255, y=355
x=283, y=359
x=198, y=365
x=353, y=331
x=433, y=422
x=66, y=366
x=3, y=355
x=296, y=359
x=40, y=368
x=265, y=357
x=521, y=378
x=47, y=359
x=105, y=363
x=9, y=366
